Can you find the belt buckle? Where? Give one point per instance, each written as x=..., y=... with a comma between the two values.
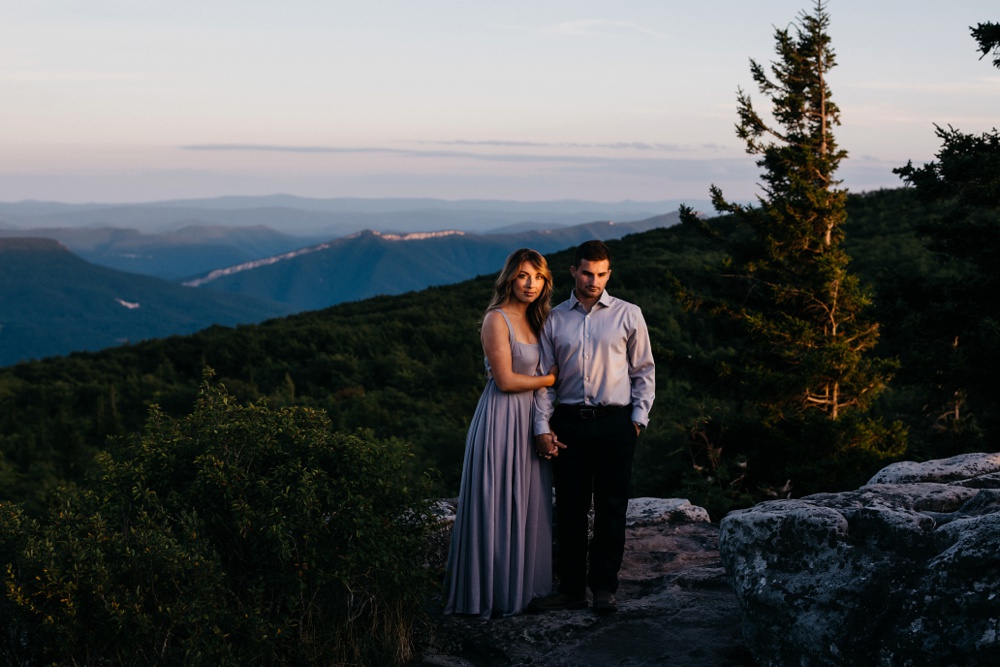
x=588, y=413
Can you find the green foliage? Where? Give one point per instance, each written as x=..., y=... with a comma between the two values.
x=409, y=369
x=717, y=479
x=786, y=271
x=235, y=535
x=806, y=376
x=955, y=310
x=736, y=460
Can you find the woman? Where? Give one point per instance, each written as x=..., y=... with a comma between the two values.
x=501, y=546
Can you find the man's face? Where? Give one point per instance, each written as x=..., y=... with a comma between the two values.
x=590, y=277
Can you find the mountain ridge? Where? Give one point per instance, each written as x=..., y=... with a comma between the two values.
x=171, y=255
x=53, y=299
x=52, y=302
x=386, y=264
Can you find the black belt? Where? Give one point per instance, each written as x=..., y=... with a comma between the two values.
x=589, y=411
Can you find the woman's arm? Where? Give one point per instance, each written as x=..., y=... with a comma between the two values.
x=496, y=345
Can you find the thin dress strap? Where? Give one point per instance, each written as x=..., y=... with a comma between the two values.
x=486, y=361
x=510, y=328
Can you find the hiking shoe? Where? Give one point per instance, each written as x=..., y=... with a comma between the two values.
x=558, y=601
x=605, y=602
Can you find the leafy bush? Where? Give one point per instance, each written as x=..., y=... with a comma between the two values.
x=236, y=535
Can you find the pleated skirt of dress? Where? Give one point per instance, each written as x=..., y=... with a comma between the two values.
x=501, y=549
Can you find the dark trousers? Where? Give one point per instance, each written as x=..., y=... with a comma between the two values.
x=597, y=462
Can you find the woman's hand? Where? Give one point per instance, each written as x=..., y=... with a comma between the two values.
x=552, y=376
x=547, y=445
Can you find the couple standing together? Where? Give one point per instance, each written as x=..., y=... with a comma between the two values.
x=568, y=393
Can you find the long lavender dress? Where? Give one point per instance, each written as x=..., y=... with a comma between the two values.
x=501, y=545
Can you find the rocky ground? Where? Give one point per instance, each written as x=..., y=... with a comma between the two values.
x=676, y=608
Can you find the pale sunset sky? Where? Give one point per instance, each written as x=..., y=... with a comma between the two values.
x=603, y=100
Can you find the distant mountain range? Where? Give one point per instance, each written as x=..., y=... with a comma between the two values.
x=181, y=239
x=371, y=263
x=73, y=287
x=174, y=255
x=330, y=218
x=52, y=302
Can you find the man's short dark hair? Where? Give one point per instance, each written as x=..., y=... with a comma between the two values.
x=592, y=251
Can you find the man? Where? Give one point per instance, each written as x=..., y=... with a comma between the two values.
x=590, y=421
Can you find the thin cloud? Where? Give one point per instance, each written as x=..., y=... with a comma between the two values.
x=620, y=145
x=468, y=142
x=489, y=157
x=467, y=155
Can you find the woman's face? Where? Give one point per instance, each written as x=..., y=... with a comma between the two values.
x=527, y=284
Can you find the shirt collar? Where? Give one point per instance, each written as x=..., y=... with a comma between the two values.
x=603, y=300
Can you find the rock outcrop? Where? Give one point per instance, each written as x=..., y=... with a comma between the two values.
x=904, y=571
x=675, y=607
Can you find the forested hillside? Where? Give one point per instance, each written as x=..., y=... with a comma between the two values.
x=410, y=366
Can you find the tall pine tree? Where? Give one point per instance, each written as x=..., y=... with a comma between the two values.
x=808, y=369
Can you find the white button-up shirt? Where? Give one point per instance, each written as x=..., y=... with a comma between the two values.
x=604, y=358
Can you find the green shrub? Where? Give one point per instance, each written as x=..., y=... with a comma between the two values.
x=236, y=535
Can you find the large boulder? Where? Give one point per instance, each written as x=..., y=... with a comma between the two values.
x=903, y=571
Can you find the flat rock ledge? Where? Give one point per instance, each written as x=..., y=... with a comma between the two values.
x=904, y=571
x=676, y=606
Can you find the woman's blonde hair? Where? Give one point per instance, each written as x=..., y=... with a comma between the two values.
x=538, y=310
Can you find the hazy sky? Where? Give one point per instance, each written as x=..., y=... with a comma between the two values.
x=139, y=100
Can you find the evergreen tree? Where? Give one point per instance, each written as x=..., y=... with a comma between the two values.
x=988, y=36
x=959, y=315
x=808, y=375
x=805, y=311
